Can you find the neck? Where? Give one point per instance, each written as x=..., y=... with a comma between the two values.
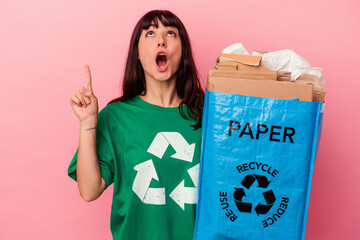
x=163, y=94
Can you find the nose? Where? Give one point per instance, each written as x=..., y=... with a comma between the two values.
x=161, y=41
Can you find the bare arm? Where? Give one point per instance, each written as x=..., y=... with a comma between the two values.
x=85, y=106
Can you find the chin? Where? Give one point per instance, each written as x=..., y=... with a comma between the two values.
x=164, y=77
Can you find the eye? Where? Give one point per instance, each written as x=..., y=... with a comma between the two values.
x=171, y=34
x=149, y=34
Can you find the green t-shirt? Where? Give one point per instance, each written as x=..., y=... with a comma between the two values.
x=151, y=154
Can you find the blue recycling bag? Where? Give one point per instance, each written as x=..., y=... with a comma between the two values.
x=256, y=168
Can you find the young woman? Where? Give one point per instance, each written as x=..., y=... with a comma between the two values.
x=146, y=142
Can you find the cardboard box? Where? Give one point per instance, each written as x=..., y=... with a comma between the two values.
x=319, y=92
x=248, y=64
x=237, y=70
x=243, y=62
x=249, y=67
x=261, y=88
x=284, y=76
x=244, y=74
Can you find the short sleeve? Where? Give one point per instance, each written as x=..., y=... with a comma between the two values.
x=104, y=149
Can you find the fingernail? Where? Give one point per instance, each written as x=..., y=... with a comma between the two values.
x=87, y=101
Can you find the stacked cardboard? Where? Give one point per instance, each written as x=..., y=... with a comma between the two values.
x=246, y=75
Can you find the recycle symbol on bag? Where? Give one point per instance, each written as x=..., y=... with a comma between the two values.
x=247, y=182
x=146, y=172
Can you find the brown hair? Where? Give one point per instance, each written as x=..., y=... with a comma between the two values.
x=187, y=82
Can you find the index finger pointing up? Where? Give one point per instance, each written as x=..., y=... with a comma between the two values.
x=88, y=78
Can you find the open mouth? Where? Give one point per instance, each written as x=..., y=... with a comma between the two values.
x=161, y=61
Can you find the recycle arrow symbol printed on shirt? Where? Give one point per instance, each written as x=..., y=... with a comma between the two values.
x=182, y=194
x=146, y=172
x=183, y=150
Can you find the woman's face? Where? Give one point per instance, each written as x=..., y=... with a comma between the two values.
x=160, y=52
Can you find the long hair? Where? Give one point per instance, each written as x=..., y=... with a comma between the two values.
x=187, y=81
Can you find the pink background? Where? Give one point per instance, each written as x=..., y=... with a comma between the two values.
x=44, y=45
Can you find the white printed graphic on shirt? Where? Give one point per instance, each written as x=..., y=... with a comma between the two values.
x=146, y=172
x=183, y=150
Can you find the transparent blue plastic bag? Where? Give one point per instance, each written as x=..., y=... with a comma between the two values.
x=256, y=167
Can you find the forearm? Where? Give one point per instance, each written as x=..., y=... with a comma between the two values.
x=90, y=183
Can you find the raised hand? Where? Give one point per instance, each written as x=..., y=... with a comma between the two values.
x=84, y=103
